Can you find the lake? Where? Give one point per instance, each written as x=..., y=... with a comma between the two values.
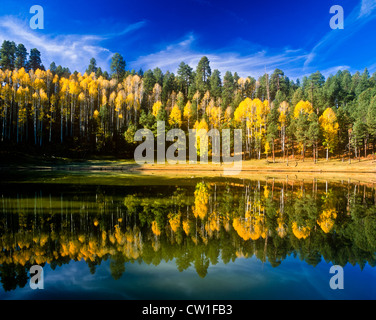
x=120, y=236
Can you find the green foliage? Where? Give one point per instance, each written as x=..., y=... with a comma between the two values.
x=48, y=107
x=118, y=66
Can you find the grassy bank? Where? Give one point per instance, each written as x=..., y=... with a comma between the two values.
x=25, y=161
x=334, y=169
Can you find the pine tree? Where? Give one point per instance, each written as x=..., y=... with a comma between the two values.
x=203, y=73
x=35, y=61
x=118, y=66
x=7, y=55
x=21, y=57
x=92, y=66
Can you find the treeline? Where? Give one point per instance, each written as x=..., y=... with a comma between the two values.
x=100, y=111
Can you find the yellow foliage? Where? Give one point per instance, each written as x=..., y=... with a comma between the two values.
x=186, y=227
x=156, y=108
x=175, y=117
x=281, y=229
x=300, y=232
x=201, y=194
x=250, y=227
x=283, y=109
x=329, y=125
x=326, y=219
x=174, y=220
x=188, y=112
x=302, y=107
x=155, y=229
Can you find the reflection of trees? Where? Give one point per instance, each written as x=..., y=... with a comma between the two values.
x=194, y=227
x=328, y=215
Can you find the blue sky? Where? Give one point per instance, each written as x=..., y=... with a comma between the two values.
x=248, y=36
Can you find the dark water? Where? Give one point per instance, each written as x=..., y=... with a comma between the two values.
x=187, y=239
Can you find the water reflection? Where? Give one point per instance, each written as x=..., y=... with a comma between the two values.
x=196, y=225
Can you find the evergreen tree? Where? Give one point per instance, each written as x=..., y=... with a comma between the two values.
x=227, y=90
x=215, y=84
x=53, y=67
x=92, y=66
x=158, y=75
x=21, y=57
x=184, y=77
x=203, y=73
x=35, y=61
x=118, y=66
x=7, y=55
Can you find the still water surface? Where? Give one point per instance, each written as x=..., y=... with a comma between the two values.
x=200, y=238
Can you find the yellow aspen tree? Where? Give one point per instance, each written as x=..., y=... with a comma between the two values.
x=157, y=106
x=262, y=110
x=175, y=117
x=196, y=98
x=204, y=102
x=215, y=117
x=82, y=105
x=188, y=112
x=120, y=101
x=129, y=98
x=227, y=120
x=21, y=111
x=74, y=91
x=283, y=110
x=93, y=93
x=245, y=113
x=111, y=103
x=6, y=97
x=302, y=111
x=63, y=101
x=43, y=107
x=302, y=107
x=329, y=126
x=138, y=92
x=52, y=112
x=157, y=91
x=198, y=126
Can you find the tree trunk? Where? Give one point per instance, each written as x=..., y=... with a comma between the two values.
x=287, y=156
x=303, y=151
x=314, y=153
x=365, y=148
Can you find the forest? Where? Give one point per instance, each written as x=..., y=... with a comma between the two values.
x=59, y=112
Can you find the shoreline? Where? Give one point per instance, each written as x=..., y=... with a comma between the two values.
x=333, y=170
x=332, y=166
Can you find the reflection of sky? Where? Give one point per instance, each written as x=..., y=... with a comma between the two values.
x=242, y=279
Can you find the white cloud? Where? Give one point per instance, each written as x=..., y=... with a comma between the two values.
x=366, y=7
x=253, y=64
x=353, y=22
x=71, y=50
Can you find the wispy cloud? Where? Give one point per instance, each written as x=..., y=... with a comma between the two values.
x=73, y=51
x=252, y=64
x=366, y=8
x=362, y=14
x=130, y=28
x=69, y=50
